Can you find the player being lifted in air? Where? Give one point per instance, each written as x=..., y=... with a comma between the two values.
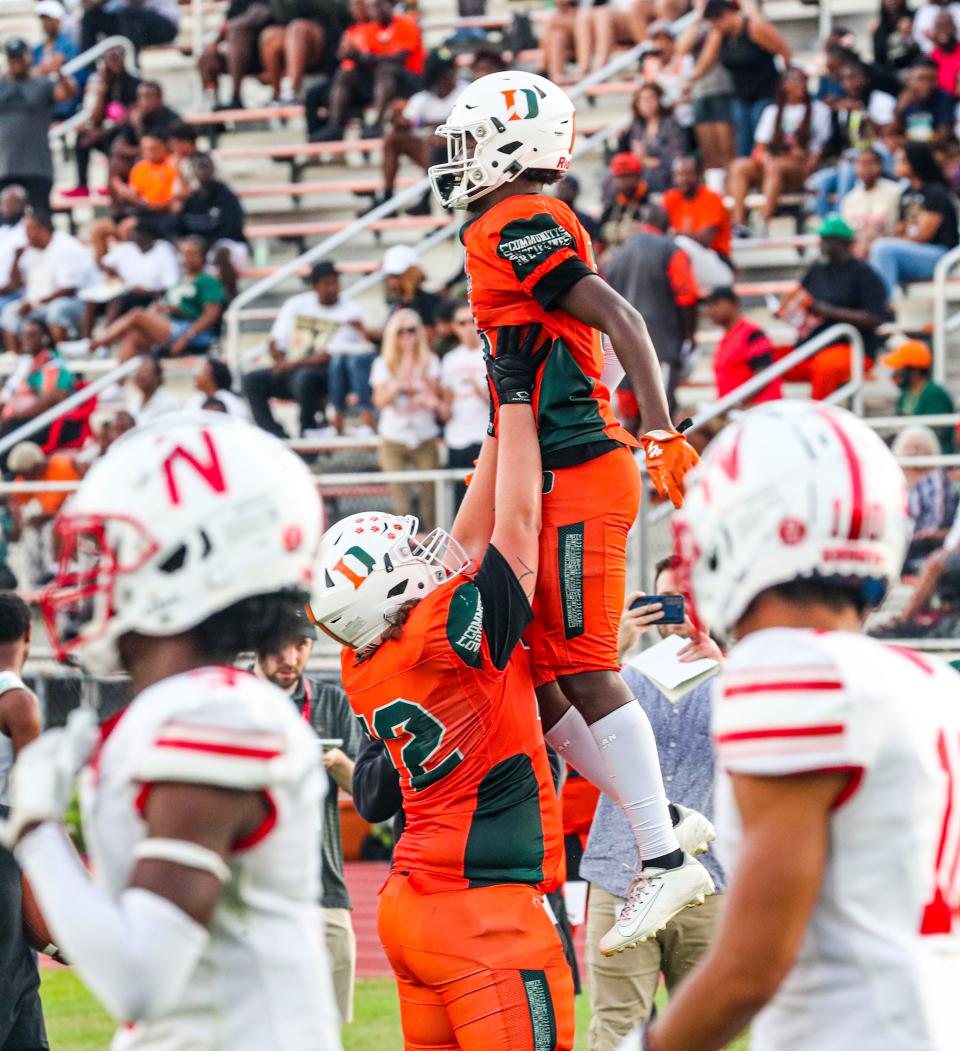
x=529, y=260
x=191, y=542
x=841, y=754
x=431, y=665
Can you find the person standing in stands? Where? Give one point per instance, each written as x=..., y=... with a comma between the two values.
x=27, y=105
x=21, y=1013
x=327, y=711
x=746, y=46
x=744, y=348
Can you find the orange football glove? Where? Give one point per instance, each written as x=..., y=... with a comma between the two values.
x=669, y=457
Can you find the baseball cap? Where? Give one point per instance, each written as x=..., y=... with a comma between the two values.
x=911, y=354
x=324, y=268
x=626, y=164
x=306, y=629
x=50, y=9
x=398, y=259
x=25, y=456
x=15, y=47
x=834, y=226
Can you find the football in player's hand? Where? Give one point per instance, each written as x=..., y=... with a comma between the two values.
x=35, y=926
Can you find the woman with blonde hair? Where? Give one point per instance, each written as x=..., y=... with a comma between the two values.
x=406, y=389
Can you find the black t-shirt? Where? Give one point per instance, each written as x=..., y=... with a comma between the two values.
x=934, y=197
x=423, y=303
x=213, y=213
x=18, y=967
x=853, y=285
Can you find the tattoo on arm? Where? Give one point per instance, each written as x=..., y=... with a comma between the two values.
x=527, y=572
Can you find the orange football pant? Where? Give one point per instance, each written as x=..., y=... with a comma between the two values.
x=478, y=970
x=587, y=513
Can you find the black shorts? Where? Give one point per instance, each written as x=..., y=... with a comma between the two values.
x=714, y=109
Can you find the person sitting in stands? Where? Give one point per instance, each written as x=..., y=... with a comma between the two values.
x=214, y=214
x=185, y=321
x=387, y=65
x=411, y=126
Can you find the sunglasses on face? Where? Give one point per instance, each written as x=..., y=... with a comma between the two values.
x=463, y=321
x=407, y=331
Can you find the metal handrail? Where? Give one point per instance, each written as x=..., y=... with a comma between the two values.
x=896, y=423
x=851, y=390
x=63, y=407
x=941, y=275
x=248, y=295
x=87, y=58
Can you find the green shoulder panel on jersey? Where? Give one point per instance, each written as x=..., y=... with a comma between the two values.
x=505, y=844
x=567, y=411
x=526, y=243
x=465, y=624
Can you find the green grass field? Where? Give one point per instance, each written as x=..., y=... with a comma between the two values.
x=75, y=1022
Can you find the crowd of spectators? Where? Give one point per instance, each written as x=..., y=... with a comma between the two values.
x=728, y=131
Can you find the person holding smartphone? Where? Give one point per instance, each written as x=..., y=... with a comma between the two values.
x=622, y=987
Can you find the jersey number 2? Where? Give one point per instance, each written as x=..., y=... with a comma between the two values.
x=422, y=735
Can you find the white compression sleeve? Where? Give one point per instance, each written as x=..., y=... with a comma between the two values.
x=571, y=739
x=629, y=750
x=137, y=955
x=613, y=372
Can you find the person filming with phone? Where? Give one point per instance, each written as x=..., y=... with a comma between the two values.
x=622, y=987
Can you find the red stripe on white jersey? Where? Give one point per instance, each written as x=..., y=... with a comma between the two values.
x=824, y=730
x=799, y=686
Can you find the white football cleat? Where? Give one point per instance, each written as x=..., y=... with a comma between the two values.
x=694, y=832
x=653, y=898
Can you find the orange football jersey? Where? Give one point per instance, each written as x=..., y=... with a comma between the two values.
x=521, y=256
x=453, y=701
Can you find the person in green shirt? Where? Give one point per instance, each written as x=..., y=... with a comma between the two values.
x=185, y=321
x=912, y=363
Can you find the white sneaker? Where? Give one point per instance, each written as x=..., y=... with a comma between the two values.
x=694, y=832
x=653, y=898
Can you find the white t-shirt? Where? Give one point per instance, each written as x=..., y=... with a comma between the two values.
x=157, y=270
x=464, y=372
x=872, y=212
x=64, y=263
x=12, y=239
x=881, y=108
x=404, y=421
x=262, y=980
x=878, y=959
x=426, y=108
x=924, y=18
x=820, y=124
x=306, y=307
x=233, y=403
x=951, y=541
x=160, y=404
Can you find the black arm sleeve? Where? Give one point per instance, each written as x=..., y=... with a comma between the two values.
x=552, y=286
x=376, y=783
x=506, y=611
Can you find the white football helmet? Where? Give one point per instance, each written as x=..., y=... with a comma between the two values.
x=791, y=490
x=501, y=125
x=370, y=565
x=182, y=518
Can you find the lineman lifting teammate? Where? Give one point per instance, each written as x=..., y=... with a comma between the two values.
x=431, y=665
x=793, y=527
x=190, y=542
x=529, y=260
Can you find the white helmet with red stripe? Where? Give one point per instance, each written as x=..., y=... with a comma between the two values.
x=369, y=566
x=181, y=519
x=792, y=490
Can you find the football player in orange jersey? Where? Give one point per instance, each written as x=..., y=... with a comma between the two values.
x=432, y=668
x=529, y=260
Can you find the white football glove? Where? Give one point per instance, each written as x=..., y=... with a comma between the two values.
x=42, y=778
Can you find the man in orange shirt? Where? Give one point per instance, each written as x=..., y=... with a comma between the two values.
x=701, y=220
x=386, y=64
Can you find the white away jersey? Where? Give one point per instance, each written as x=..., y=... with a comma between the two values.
x=263, y=980
x=879, y=969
